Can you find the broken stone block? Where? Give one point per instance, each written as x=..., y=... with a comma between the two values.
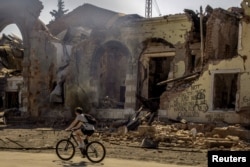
x=209, y=127
x=233, y=138
x=182, y=134
x=166, y=128
x=193, y=133
x=216, y=136
x=232, y=130
x=122, y=130
x=159, y=138
x=180, y=141
x=199, y=142
x=149, y=143
x=181, y=126
x=200, y=134
x=198, y=127
x=219, y=143
x=185, y=139
x=145, y=130
x=163, y=138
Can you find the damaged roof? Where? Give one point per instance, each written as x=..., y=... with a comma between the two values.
x=90, y=16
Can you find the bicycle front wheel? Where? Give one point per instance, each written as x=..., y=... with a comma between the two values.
x=65, y=149
x=95, y=151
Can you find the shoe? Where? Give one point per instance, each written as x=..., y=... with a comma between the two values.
x=83, y=154
x=83, y=151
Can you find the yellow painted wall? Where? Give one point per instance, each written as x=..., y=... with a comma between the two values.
x=173, y=28
x=184, y=102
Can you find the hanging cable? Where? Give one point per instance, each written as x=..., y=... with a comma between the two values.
x=157, y=7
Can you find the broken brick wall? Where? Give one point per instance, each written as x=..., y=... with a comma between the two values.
x=163, y=54
x=108, y=57
x=99, y=60
x=243, y=52
x=221, y=35
x=220, y=94
x=127, y=41
x=193, y=101
x=26, y=18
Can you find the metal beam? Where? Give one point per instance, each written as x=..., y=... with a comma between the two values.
x=148, y=9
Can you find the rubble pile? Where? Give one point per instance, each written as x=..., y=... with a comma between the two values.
x=200, y=136
x=159, y=135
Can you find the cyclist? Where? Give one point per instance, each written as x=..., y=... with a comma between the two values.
x=82, y=127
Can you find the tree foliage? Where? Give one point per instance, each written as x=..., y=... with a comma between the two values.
x=60, y=11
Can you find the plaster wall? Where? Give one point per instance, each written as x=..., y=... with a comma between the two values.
x=174, y=29
x=244, y=61
x=171, y=29
x=43, y=58
x=197, y=102
x=189, y=106
x=185, y=103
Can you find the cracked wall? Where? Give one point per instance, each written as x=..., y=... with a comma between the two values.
x=27, y=21
x=219, y=94
x=119, y=56
x=221, y=34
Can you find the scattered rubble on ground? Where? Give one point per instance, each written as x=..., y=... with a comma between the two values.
x=189, y=135
x=158, y=135
x=179, y=143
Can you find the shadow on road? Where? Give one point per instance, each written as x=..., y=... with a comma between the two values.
x=72, y=164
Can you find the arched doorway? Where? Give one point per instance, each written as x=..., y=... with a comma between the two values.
x=109, y=68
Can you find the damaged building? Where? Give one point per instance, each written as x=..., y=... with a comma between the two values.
x=194, y=66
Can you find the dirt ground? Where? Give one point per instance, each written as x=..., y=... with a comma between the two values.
x=176, y=146
x=160, y=155
x=21, y=159
x=45, y=139
x=181, y=156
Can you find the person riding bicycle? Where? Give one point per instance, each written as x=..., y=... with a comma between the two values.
x=82, y=127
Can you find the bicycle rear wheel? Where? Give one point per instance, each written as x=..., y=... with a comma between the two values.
x=95, y=151
x=65, y=149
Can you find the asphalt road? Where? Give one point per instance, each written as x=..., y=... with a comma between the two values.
x=22, y=159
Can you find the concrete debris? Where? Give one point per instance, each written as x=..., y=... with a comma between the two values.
x=189, y=135
x=11, y=54
x=159, y=135
x=102, y=59
x=149, y=143
x=232, y=130
x=145, y=130
x=188, y=63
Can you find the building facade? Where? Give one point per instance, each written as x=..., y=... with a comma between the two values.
x=194, y=66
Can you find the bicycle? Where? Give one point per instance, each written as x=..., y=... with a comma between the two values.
x=94, y=150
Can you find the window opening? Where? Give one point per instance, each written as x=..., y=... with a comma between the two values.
x=225, y=89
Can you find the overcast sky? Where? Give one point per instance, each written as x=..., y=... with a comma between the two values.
x=166, y=7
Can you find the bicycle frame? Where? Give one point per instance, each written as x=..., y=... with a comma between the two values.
x=72, y=136
x=65, y=149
